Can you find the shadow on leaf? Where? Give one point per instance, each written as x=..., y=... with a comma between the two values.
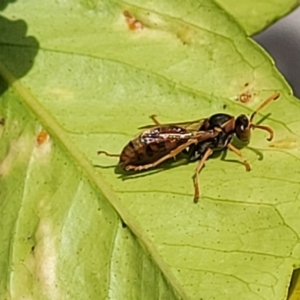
x=4, y=3
x=171, y=163
x=17, y=51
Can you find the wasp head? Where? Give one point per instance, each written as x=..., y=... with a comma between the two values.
x=243, y=128
x=244, y=125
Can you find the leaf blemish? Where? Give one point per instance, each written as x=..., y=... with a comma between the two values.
x=46, y=259
x=245, y=97
x=185, y=34
x=17, y=148
x=42, y=137
x=132, y=22
x=287, y=143
x=43, y=146
x=60, y=93
x=246, y=94
x=245, y=91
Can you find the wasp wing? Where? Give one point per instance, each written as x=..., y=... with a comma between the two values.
x=188, y=125
x=175, y=137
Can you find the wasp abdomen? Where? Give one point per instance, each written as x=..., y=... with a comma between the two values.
x=153, y=144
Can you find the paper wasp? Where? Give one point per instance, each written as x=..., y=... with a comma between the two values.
x=198, y=139
x=159, y=143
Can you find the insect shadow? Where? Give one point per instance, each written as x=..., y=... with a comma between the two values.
x=181, y=160
x=223, y=154
x=263, y=118
x=241, y=145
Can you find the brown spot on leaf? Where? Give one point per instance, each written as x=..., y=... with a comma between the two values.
x=245, y=97
x=246, y=93
x=42, y=137
x=132, y=22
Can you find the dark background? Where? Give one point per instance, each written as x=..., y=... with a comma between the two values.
x=282, y=41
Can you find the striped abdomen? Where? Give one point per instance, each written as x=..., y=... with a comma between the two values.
x=153, y=144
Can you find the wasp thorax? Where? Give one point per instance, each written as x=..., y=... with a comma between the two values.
x=242, y=128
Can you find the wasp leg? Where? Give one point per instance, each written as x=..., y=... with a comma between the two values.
x=108, y=154
x=172, y=154
x=238, y=152
x=154, y=119
x=200, y=165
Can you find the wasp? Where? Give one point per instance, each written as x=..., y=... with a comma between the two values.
x=198, y=139
x=159, y=143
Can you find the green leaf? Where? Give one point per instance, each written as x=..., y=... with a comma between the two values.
x=93, y=82
x=255, y=16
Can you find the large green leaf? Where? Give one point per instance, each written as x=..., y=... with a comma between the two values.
x=94, y=81
x=254, y=16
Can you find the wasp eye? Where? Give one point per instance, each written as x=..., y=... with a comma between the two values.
x=242, y=122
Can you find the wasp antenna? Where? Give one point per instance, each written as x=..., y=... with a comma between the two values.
x=265, y=103
x=265, y=128
x=108, y=154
